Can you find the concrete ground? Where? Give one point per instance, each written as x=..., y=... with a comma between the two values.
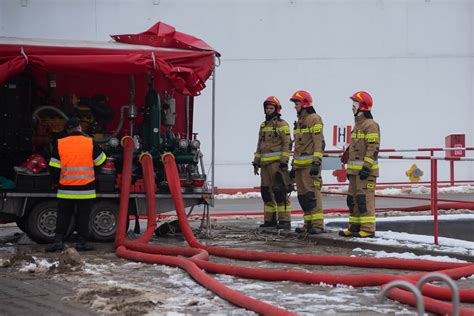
x=35, y=282
x=109, y=285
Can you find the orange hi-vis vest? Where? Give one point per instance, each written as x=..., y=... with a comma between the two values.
x=77, y=166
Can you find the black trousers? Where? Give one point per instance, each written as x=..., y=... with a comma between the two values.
x=67, y=208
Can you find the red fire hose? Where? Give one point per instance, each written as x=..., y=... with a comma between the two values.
x=151, y=253
x=433, y=305
x=124, y=247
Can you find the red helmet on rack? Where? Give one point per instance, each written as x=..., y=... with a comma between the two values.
x=364, y=99
x=272, y=100
x=303, y=97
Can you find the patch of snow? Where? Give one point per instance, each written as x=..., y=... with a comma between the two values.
x=406, y=255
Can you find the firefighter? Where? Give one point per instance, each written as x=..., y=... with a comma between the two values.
x=362, y=168
x=72, y=162
x=306, y=164
x=271, y=156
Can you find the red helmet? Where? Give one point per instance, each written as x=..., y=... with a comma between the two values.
x=272, y=100
x=364, y=99
x=304, y=97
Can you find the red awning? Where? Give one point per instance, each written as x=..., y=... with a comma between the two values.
x=186, y=68
x=164, y=35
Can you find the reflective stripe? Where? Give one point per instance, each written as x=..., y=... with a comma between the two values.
x=355, y=164
x=369, y=160
x=286, y=154
x=257, y=155
x=370, y=185
x=99, y=160
x=268, y=129
x=318, y=154
x=361, y=219
x=358, y=135
x=77, y=176
x=283, y=208
x=314, y=217
x=372, y=137
x=70, y=194
x=301, y=131
x=317, y=128
x=313, y=129
x=366, y=219
x=55, y=163
x=78, y=169
x=269, y=209
x=317, y=184
x=285, y=129
x=302, y=160
x=271, y=156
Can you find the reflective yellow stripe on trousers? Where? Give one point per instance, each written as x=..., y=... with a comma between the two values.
x=314, y=217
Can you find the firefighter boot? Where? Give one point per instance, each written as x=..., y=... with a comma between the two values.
x=301, y=230
x=57, y=245
x=81, y=244
x=285, y=225
x=351, y=231
x=364, y=234
x=272, y=223
x=313, y=230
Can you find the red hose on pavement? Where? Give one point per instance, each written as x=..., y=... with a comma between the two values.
x=124, y=247
x=433, y=305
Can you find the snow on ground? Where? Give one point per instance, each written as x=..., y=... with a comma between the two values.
x=413, y=190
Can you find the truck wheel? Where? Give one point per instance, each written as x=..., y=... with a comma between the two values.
x=21, y=223
x=103, y=219
x=40, y=223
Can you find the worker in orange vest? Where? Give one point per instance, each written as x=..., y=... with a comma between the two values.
x=72, y=162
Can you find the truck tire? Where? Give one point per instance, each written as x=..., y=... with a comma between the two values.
x=40, y=223
x=103, y=219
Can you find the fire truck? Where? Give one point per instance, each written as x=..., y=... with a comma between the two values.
x=142, y=85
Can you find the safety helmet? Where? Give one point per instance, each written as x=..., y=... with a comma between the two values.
x=364, y=99
x=272, y=100
x=303, y=97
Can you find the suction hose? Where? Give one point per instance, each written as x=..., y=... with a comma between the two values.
x=161, y=255
x=366, y=280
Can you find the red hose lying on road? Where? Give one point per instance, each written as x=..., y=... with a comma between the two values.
x=123, y=245
x=432, y=305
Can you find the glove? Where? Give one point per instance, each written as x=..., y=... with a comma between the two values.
x=292, y=174
x=364, y=173
x=345, y=156
x=283, y=166
x=315, y=167
x=255, y=169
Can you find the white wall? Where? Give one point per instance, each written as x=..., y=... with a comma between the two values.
x=414, y=56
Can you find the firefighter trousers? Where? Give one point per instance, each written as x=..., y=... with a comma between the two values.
x=309, y=197
x=361, y=203
x=276, y=204
x=67, y=210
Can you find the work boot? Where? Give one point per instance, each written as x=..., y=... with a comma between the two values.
x=300, y=230
x=364, y=234
x=315, y=231
x=345, y=233
x=81, y=244
x=57, y=245
x=285, y=225
x=269, y=224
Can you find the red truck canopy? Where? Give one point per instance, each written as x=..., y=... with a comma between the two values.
x=183, y=61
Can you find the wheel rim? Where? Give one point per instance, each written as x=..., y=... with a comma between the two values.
x=105, y=222
x=47, y=222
